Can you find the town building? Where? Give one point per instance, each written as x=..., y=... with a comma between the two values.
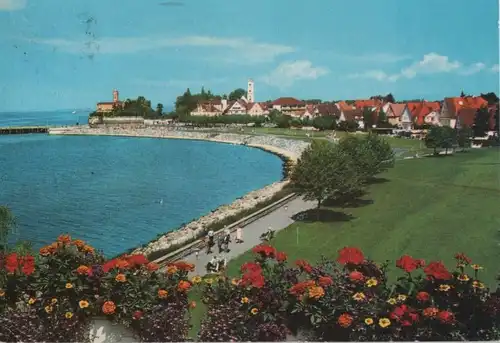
x=452, y=106
x=289, y=106
x=425, y=112
x=109, y=106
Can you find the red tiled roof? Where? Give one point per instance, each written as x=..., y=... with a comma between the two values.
x=397, y=109
x=457, y=103
x=466, y=116
x=351, y=115
x=344, y=105
x=287, y=101
x=367, y=103
x=419, y=110
x=328, y=110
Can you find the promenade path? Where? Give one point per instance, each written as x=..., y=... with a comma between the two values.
x=277, y=220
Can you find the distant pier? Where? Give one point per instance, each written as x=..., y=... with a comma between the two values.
x=17, y=130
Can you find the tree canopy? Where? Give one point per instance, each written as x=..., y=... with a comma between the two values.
x=481, y=122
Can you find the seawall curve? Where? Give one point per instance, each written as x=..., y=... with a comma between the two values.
x=285, y=148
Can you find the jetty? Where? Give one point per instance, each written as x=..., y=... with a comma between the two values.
x=17, y=130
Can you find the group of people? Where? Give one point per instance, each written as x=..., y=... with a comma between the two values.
x=216, y=264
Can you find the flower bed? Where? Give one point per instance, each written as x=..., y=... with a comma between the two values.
x=58, y=294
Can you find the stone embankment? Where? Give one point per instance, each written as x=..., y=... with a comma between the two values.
x=286, y=148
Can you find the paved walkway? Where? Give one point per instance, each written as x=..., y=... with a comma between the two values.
x=277, y=220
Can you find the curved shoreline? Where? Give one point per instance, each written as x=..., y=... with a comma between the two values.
x=286, y=149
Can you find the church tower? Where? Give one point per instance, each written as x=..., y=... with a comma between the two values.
x=115, y=96
x=250, y=92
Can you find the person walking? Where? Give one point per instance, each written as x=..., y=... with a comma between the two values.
x=239, y=235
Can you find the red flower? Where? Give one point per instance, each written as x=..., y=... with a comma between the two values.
x=281, y=257
x=405, y=323
x=462, y=258
x=325, y=281
x=299, y=288
x=423, y=296
x=11, y=263
x=446, y=317
x=408, y=263
x=437, y=270
x=106, y=267
x=137, y=260
x=350, y=255
x=356, y=276
x=304, y=265
x=264, y=250
x=28, y=265
x=184, y=266
x=251, y=267
x=255, y=279
x=414, y=316
x=137, y=315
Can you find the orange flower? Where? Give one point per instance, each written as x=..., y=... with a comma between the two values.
x=45, y=251
x=162, y=294
x=184, y=266
x=83, y=270
x=78, y=243
x=121, y=278
x=121, y=264
x=316, y=292
x=345, y=320
x=192, y=304
x=325, y=281
x=69, y=285
x=88, y=249
x=2, y=293
x=151, y=266
x=109, y=307
x=83, y=303
x=431, y=312
x=183, y=286
x=52, y=248
x=65, y=239
x=301, y=287
x=171, y=269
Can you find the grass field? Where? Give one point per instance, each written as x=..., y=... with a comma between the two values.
x=429, y=208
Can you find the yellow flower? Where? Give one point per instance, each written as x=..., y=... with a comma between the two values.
x=48, y=309
x=171, y=269
x=69, y=285
x=254, y=311
x=463, y=277
x=401, y=297
x=53, y=301
x=368, y=321
x=31, y=301
x=196, y=279
x=384, y=322
x=162, y=294
x=316, y=292
x=372, y=282
x=2, y=293
x=209, y=281
x=476, y=266
x=392, y=301
x=68, y=315
x=235, y=282
x=244, y=300
x=477, y=284
x=444, y=288
x=83, y=303
x=359, y=296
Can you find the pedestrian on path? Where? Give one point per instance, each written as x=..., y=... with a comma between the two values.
x=239, y=235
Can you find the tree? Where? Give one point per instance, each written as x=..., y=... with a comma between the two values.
x=481, y=122
x=372, y=154
x=368, y=117
x=324, y=123
x=491, y=97
x=464, y=138
x=7, y=225
x=389, y=98
x=324, y=171
x=159, y=109
x=237, y=94
x=440, y=137
x=382, y=117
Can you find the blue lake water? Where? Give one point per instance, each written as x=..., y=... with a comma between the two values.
x=48, y=118
x=108, y=190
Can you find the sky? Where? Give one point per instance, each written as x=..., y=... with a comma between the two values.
x=71, y=54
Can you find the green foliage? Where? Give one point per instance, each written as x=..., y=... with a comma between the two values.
x=7, y=225
x=481, y=122
x=464, y=138
x=440, y=137
x=324, y=123
x=348, y=126
x=382, y=117
x=232, y=119
x=159, y=109
x=237, y=94
x=368, y=117
x=371, y=153
x=325, y=171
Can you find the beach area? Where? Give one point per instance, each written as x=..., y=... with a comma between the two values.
x=286, y=149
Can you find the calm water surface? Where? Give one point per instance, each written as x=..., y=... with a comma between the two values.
x=120, y=192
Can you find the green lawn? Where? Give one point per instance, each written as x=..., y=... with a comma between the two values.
x=429, y=208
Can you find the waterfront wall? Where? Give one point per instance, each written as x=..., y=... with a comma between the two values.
x=285, y=148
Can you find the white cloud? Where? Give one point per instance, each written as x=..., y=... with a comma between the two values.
x=431, y=63
x=12, y=5
x=495, y=68
x=244, y=48
x=287, y=73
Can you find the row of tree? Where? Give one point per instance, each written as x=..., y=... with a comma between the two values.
x=340, y=171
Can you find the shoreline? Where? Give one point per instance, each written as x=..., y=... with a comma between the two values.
x=286, y=149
